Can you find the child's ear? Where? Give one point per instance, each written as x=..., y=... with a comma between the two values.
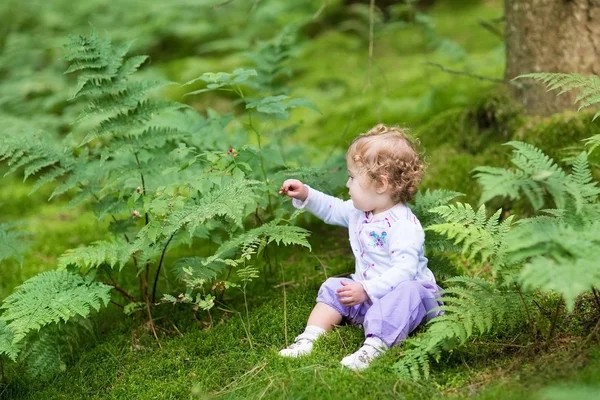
x=383, y=186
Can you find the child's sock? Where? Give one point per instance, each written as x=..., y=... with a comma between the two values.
x=303, y=344
x=359, y=360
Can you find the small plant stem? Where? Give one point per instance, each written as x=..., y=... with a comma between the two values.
x=118, y=288
x=152, y=321
x=554, y=321
x=117, y=304
x=591, y=335
x=258, y=138
x=531, y=322
x=144, y=277
x=247, y=315
x=285, y=329
x=596, y=298
x=162, y=256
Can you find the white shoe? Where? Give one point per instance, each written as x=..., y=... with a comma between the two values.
x=302, y=346
x=361, y=359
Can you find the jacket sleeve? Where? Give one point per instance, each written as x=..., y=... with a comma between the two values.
x=330, y=209
x=405, y=243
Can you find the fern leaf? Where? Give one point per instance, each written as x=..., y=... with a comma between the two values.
x=7, y=347
x=114, y=253
x=51, y=297
x=590, y=85
x=478, y=235
x=536, y=175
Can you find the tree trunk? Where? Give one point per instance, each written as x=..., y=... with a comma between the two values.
x=550, y=36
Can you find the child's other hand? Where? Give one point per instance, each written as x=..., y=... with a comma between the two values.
x=294, y=188
x=352, y=293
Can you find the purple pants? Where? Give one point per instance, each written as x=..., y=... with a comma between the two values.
x=392, y=317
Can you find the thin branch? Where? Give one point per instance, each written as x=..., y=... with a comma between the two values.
x=531, y=322
x=162, y=256
x=464, y=73
x=321, y=9
x=596, y=297
x=554, y=320
x=117, y=304
x=152, y=322
x=371, y=23
x=492, y=29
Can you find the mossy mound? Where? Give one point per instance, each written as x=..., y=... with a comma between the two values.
x=560, y=136
x=460, y=139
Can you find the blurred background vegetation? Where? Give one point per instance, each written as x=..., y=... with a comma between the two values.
x=435, y=67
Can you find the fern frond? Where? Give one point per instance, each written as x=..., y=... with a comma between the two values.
x=581, y=184
x=472, y=307
x=569, y=277
x=425, y=202
x=198, y=267
x=7, y=347
x=590, y=85
x=593, y=142
x=271, y=232
x=558, y=257
x=478, y=234
x=230, y=201
x=536, y=175
x=114, y=253
x=50, y=297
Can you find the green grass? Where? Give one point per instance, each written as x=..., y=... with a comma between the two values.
x=212, y=357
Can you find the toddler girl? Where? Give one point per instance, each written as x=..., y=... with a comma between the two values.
x=391, y=289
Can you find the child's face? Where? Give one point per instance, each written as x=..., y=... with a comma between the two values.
x=362, y=191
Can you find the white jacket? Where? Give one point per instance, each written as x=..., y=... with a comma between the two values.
x=388, y=247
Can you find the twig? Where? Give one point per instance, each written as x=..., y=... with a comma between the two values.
x=371, y=23
x=162, y=256
x=152, y=322
x=596, y=297
x=464, y=73
x=117, y=304
x=553, y=326
x=175, y=326
x=285, y=327
x=321, y=9
x=492, y=29
x=594, y=332
x=501, y=344
x=531, y=322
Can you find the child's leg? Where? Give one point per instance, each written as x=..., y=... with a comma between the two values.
x=327, y=313
x=390, y=319
x=400, y=312
x=324, y=316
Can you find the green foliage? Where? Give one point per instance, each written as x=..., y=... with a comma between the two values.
x=472, y=307
x=12, y=243
x=555, y=252
x=589, y=85
x=535, y=175
x=114, y=253
x=51, y=297
x=477, y=234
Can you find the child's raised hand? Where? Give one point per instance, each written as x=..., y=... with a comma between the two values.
x=294, y=188
x=352, y=293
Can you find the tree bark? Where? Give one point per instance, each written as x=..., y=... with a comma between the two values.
x=550, y=36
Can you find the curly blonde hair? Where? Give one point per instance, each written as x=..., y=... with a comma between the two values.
x=390, y=152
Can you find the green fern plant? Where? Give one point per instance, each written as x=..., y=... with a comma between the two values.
x=589, y=96
x=473, y=307
x=553, y=252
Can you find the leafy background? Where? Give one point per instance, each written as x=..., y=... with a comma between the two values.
x=314, y=50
